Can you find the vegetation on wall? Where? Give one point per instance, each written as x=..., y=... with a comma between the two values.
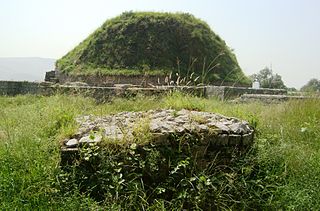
x=148, y=42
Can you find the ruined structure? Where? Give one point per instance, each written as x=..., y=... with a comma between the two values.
x=154, y=148
x=211, y=131
x=145, y=47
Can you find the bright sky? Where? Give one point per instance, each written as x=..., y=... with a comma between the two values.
x=284, y=34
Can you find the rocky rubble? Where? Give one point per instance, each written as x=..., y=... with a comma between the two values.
x=158, y=125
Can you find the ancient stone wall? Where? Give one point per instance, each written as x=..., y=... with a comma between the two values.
x=51, y=76
x=211, y=132
x=12, y=88
x=110, y=80
x=152, y=147
x=229, y=92
x=265, y=98
x=19, y=87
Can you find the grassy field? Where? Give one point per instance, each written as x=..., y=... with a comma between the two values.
x=282, y=171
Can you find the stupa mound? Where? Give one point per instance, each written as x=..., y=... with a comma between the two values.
x=154, y=43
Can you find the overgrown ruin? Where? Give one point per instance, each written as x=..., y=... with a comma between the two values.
x=153, y=148
x=157, y=151
x=140, y=44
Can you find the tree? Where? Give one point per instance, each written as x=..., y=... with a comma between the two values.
x=312, y=86
x=267, y=79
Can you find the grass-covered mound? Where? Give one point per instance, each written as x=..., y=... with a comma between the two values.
x=154, y=43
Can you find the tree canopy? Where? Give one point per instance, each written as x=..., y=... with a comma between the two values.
x=152, y=42
x=312, y=86
x=268, y=79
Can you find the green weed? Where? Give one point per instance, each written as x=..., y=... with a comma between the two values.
x=281, y=171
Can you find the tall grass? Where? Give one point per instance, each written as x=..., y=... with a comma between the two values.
x=282, y=171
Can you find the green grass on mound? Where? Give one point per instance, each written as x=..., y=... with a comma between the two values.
x=281, y=171
x=152, y=42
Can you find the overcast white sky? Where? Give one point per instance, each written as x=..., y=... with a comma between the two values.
x=281, y=33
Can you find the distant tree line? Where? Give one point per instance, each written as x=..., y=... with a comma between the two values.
x=312, y=86
x=268, y=79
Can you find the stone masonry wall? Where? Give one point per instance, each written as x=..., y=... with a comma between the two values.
x=12, y=88
x=229, y=92
x=109, y=80
x=214, y=133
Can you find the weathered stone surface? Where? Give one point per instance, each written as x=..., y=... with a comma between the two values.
x=72, y=143
x=234, y=140
x=159, y=124
x=271, y=98
x=90, y=139
x=232, y=92
x=222, y=140
x=247, y=139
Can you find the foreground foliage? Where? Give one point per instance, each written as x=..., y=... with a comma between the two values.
x=281, y=170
